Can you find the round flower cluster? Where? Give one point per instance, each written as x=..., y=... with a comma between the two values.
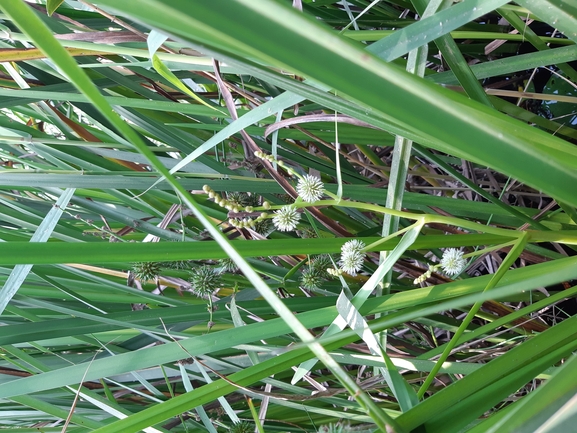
x=286, y=219
x=453, y=262
x=204, y=281
x=146, y=271
x=352, y=256
x=310, y=188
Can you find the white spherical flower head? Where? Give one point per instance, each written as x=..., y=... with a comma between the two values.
x=352, y=256
x=354, y=246
x=453, y=262
x=310, y=188
x=286, y=219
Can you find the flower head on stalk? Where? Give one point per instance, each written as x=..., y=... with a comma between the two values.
x=453, y=262
x=310, y=188
x=286, y=219
x=352, y=256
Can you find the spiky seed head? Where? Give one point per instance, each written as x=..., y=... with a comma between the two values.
x=237, y=198
x=263, y=227
x=228, y=265
x=204, y=281
x=253, y=200
x=145, y=271
x=311, y=279
x=321, y=263
x=242, y=427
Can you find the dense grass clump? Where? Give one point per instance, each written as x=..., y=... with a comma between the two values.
x=288, y=216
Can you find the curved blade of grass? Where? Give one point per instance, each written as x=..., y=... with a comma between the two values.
x=405, y=395
x=521, y=356
x=154, y=41
x=428, y=29
x=514, y=253
x=42, y=234
x=408, y=239
x=560, y=14
x=52, y=5
x=459, y=124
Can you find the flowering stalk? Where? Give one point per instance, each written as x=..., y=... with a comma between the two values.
x=453, y=261
x=286, y=218
x=309, y=188
x=452, y=264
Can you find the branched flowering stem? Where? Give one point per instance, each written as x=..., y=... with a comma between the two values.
x=371, y=247
x=435, y=268
x=519, y=246
x=424, y=218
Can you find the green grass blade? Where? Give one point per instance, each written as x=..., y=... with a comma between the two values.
x=44, y=231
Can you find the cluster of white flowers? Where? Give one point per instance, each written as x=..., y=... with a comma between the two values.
x=286, y=219
x=310, y=188
x=352, y=256
x=453, y=262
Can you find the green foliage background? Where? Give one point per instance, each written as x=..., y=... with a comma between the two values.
x=424, y=121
